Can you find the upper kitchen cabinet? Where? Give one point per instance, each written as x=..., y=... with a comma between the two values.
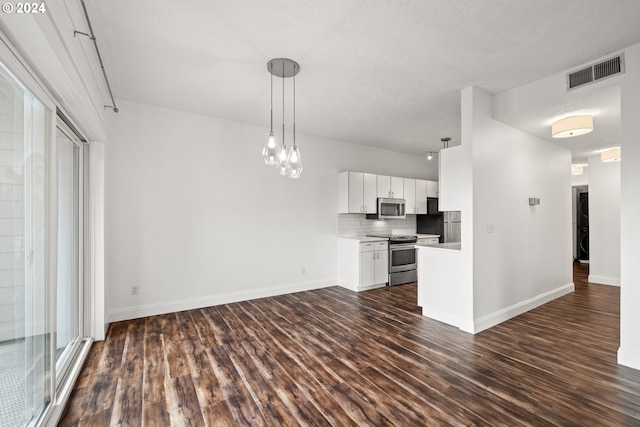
x=390, y=187
x=432, y=189
x=356, y=192
x=415, y=196
x=422, y=192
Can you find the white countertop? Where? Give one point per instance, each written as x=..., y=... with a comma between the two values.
x=452, y=246
x=382, y=239
x=364, y=238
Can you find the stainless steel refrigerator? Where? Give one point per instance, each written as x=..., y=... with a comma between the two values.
x=446, y=224
x=452, y=225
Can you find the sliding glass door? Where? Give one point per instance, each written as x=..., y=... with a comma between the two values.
x=69, y=268
x=42, y=317
x=25, y=287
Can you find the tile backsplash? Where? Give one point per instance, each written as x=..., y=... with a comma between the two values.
x=359, y=225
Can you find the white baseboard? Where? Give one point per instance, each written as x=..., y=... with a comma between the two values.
x=486, y=322
x=441, y=316
x=352, y=286
x=604, y=280
x=135, y=312
x=630, y=358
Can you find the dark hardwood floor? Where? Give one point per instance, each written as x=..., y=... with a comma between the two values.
x=335, y=357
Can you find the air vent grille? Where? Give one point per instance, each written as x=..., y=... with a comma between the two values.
x=606, y=68
x=581, y=77
x=601, y=70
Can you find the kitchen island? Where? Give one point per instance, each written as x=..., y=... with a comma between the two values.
x=442, y=278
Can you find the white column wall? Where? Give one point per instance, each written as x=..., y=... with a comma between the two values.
x=629, y=352
x=95, y=240
x=521, y=254
x=604, y=222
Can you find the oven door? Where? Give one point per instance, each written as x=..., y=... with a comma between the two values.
x=402, y=257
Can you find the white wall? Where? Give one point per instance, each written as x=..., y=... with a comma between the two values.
x=514, y=256
x=580, y=180
x=604, y=222
x=194, y=217
x=521, y=253
x=629, y=352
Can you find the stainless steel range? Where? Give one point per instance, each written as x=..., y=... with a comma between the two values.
x=402, y=258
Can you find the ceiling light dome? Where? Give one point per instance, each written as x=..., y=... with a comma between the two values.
x=612, y=155
x=572, y=126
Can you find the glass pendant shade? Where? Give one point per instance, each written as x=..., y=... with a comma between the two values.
x=281, y=162
x=294, y=163
x=270, y=149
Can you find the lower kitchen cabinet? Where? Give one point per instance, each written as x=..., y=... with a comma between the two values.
x=362, y=265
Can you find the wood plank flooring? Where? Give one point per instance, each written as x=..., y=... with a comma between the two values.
x=334, y=357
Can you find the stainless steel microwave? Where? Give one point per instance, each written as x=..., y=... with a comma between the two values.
x=389, y=209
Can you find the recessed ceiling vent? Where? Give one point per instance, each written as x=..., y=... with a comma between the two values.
x=607, y=68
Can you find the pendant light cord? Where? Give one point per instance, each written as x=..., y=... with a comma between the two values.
x=294, y=105
x=271, y=72
x=283, y=103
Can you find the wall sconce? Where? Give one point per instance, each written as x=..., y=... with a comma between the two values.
x=534, y=201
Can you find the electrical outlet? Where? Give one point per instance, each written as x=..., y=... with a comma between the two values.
x=303, y=271
x=135, y=290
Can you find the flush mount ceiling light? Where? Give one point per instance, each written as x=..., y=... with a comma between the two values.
x=572, y=126
x=287, y=161
x=612, y=155
x=577, y=169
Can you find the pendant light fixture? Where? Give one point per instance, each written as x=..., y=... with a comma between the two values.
x=294, y=159
x=270, y=149
x=288, y=161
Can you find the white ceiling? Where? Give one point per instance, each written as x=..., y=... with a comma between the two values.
x=384, y=73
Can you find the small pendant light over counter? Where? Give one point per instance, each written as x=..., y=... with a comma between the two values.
x=288, y=161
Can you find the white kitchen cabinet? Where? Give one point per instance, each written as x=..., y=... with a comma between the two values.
x=432, y=189
x=384, y=185
x=410, y=195
x=421, y=196
x=390, y=186
x=362, y=265
x=381, y=264
x=356, y=192
x=415, y=196
x=397, y=187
